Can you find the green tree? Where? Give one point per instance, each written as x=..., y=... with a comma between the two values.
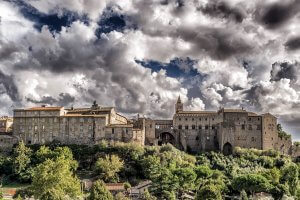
x=290, y=175
x=251, y=183
x=148, y=196
x=100, y=192
x=243, y=195
x=54, y=180
x=209, y=192
x=186, y=178
x=121, y=196
x=1, y=195
x=21, y=162
x=109, y=167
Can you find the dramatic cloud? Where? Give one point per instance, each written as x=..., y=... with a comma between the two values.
x=293, y=44
x=140, y=55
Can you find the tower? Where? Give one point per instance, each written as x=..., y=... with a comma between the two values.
x=178, y=105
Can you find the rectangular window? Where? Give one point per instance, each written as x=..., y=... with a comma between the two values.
x=186, y=127
x=180, y=127
x=200, y=127
x=193, y=127
x=206, y=127
x=179, y=118
x=113, y=131
x=250, y=127
x=258, y=127
x=243, y=127
x=90, y=127
x=35, y=128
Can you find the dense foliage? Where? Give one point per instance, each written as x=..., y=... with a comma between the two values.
x=173, y=173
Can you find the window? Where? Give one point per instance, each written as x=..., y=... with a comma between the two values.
x=192, y=119
x=250, y=127
x=90, y=120
x=200, y=127
x=43, y=127
x=205, y=119
x=213, y=119
x=179, y=118
x=258, y=119
x=29, y=127
x=249, y=119
x=258, y=127
x=113, y=131
x=81, y=128
x=193, y=127
x=200, y=119
x=185, y=119
x=186, y=127
x=150, y=125
x=81, y=119
x=206, y=127
x=252, y=139
x=207, y=138
x=243, y=126
x=90, y=127
x=35, y=128
x=180, y=127
x=126, y=130
x=213, y=127
x=197, y=138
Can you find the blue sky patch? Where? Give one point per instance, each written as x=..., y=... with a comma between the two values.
x=53, y=21
x=177, y=67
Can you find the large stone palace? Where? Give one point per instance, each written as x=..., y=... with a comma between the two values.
x=192, y=131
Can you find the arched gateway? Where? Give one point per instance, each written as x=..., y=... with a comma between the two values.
x=166, y=137
x=227, y=149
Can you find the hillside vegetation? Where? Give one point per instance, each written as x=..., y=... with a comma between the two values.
x=173, y=173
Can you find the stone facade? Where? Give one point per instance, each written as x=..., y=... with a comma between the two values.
x=222, y=130
x=41, y=125
x=192, y=131
x=6, y=124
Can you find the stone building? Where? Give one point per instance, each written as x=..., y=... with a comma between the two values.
x=192, y=131
x=222, y=130
x=44, y=124
x=6, y=124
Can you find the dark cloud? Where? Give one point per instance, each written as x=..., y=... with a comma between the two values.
x=218, y=43
x=277, y=14
x=10, y=86
x=221, y=9
x=64, y=99
x=284, y=70
x=293, y=44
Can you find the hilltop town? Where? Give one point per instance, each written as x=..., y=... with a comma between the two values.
x=191, y=131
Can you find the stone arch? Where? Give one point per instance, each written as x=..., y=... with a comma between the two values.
x=227, y=149
x=167, y=137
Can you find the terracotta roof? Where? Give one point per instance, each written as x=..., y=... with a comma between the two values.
x=40, y=109
x=115, y=186
x=252, y=114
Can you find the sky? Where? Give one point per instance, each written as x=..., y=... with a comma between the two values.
x=140, y=55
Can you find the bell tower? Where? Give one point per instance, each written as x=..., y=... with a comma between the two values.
x=178, y=105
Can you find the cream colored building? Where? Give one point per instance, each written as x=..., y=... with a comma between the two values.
x=44, y=124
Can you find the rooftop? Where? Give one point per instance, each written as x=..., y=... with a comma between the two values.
x=42, y=108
